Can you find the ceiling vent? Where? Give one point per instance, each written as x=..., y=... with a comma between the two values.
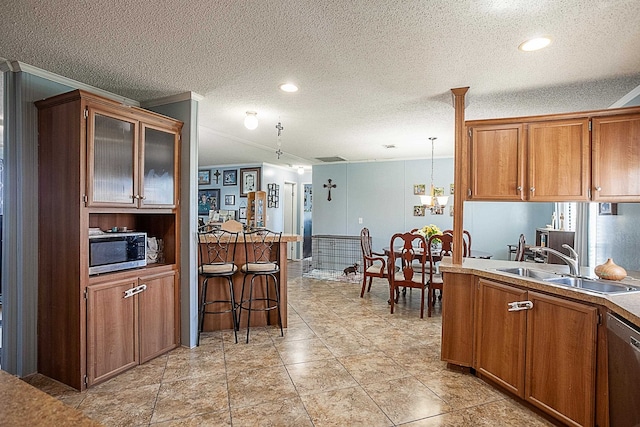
x=331, y=159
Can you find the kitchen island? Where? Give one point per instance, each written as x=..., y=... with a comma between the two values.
x=545, y=344
x=218, y=289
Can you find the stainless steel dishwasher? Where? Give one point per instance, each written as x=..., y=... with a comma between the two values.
x=624, y=372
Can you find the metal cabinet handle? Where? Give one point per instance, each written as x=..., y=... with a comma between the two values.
x=533, y=189
x=133, y=291
x=519, y=188
x=598, y=188
x=520, y=305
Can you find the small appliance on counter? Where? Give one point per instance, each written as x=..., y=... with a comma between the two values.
x=116, y=251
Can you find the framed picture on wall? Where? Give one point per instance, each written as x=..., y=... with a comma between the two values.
x=419, y=189
x=242, y=212
x=208, y=200
x=229, y=200
x=249, y=180
x=204, y=177
x=230, y=177
x=418, y=210
x=607, y=209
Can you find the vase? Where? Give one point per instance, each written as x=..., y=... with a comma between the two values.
x=610, y=271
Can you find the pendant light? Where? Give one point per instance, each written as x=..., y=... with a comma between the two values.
x=435, y=203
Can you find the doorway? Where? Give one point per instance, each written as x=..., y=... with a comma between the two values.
x=290, y=217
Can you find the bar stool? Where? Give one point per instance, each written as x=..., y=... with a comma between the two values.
x=262, y=251
x=217, y=249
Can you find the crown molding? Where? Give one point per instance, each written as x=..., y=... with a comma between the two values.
x=185, y=96
x=16, y=66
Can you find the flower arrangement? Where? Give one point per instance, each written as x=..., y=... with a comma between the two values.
x=429, y=230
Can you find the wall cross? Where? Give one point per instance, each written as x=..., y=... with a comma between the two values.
x=329, y=185
x=217, y=175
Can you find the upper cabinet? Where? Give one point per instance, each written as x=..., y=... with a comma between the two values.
x=556, y=158
x=616, y=158
x=497, y=162
x=130, y=162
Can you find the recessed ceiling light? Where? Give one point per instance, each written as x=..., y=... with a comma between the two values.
x=535, y=44
x=288, y=87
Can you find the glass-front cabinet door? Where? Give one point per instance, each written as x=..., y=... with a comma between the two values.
x=159, y=154
x=112, y=166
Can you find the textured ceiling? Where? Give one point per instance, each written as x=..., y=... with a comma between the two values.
x=371, y=72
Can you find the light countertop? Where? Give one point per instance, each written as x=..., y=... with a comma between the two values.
x=23, y=404
x=626, y=305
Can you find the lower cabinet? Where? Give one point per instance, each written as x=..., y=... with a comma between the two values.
x=543, y=349
x=129, y=321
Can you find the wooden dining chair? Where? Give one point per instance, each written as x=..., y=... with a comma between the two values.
x=445, y=248
x=521, y=249
x=407, y=248
x=373, y=264
x=466, y=237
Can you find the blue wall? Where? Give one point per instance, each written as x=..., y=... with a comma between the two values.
x=381, y=193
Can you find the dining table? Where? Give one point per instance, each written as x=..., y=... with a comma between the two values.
x=436, y=257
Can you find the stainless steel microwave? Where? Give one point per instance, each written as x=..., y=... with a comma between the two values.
x=116, y=251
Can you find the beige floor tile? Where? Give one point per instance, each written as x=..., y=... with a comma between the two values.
x=372, y=367
x=243, y=357
x=262, y=385
x=126, y=407
x=210, y=419
x=345, y=407
x=406, y=399
x=303, y=351
x=191, y=396
x=459, y=390
x=193, y=364
x=316, y=377
x=281, y=413
x=349, y=344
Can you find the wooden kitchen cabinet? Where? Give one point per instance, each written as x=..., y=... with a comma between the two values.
x=129, y=322
x=536, y=161
x=560, y=372
x=94, y=156
x=501, y=335
x=112, y=336
x=458, y=310
x=497, y=163
x=558, y=160
x=545, y=354
x=158, y=316
x=616, y=158
x=131, y=163
x=582, y=156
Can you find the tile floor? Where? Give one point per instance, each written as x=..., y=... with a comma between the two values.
x=344, y=361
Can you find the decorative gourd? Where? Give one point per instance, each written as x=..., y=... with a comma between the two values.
x=610, y=271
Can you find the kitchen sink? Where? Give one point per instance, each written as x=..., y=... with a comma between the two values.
x=593, y=285
x=528, y=272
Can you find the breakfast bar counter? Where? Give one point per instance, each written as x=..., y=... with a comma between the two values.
x=218, y=289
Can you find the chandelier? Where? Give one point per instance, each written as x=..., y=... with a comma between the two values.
x=436, y=200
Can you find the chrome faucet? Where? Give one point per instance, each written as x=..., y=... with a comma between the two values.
x=571, y=260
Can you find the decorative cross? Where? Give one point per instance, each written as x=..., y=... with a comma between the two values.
x=329, y=185
x=279, y=127
x=217, y=175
